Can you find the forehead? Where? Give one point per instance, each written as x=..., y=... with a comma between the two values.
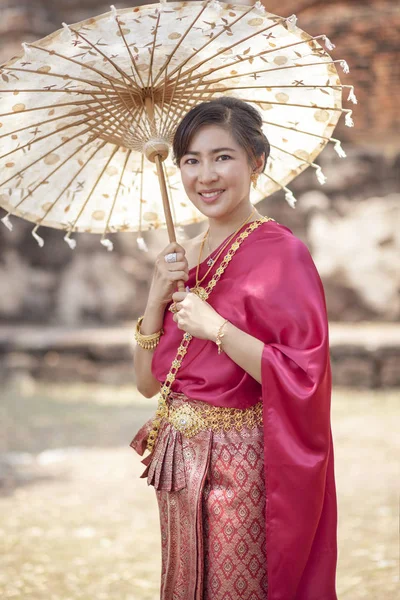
x=209, y=137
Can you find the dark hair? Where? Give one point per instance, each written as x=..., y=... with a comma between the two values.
x=241, y=119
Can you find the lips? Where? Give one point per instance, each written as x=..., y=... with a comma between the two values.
x=210, y=195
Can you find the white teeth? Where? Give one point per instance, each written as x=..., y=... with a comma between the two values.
x=210, y=195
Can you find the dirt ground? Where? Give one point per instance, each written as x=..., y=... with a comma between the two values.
x=76, y=521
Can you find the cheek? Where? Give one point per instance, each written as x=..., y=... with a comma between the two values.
x=187, y=179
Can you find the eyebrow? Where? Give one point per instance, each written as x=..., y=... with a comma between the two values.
x=212, y=151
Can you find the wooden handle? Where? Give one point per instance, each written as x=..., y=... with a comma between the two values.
x=167, y=208
x=157, y=153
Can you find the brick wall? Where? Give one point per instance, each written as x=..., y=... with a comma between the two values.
x=365, y=33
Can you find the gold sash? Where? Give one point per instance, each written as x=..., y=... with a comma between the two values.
x=203, y=293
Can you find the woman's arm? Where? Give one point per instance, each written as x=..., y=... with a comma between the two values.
x=146, y=383
x=244, y=349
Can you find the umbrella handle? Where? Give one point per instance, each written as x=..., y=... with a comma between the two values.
x=167, y=208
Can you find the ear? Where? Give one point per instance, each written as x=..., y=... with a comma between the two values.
x=260, y=163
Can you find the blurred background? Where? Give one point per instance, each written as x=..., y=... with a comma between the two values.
x=76, y=521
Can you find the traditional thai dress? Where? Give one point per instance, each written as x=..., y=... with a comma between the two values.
x=243, y=471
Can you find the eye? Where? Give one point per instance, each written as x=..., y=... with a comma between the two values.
x=187, y=162
x=224, y=156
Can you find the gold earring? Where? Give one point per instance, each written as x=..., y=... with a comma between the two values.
x=254, y=178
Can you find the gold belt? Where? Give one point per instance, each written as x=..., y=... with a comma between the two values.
x=189, y=420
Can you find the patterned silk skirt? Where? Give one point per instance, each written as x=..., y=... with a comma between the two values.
x=211, y=496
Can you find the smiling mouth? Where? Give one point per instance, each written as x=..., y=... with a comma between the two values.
x=210, y=195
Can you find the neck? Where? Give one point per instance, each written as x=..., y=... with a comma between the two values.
x=221, y=228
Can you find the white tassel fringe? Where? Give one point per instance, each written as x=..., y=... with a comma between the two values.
x=71, y=243
x=348, y=119
x=142, y=244
x=339, y=150
x=217, y=6
x=37, y=237
x=67, y=30
x=344, y=66
x=320, y=176
x=27, y=50
x=291, y=22
x=328, y=43
x=289, y=197
x=352, y=97
x=107, y=244
x=6, y=221
x=259, y=8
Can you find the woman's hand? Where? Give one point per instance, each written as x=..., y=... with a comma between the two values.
x=166, y=275
x=195, y=316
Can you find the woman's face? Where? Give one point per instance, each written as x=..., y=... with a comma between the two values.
x=216, y=172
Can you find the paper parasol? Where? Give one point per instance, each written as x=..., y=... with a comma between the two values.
x=85, y=111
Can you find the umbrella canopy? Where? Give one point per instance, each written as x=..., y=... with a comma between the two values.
x=85, y=111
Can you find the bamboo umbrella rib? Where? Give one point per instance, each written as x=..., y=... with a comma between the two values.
x=279, y=87
x=316, y=106
x=126, y=106
x=43, y=137
x=281, y=68
x=135, y=121
x=170, y=105
x=57, y=91
x=241, y=59
x=178, y=44
x=223, y=50
x=77, y=62
x=322, y=137
x=100, y=147
x=164, y=89
x=71, y=229
x=133, y=62
x=181, y=107
x=106, y=229
x=107, y=58
x=141, y=193
x=52, y=173
x=40, y=123
x=150, y=75
x=282, y=187
x=60, y=76
x=50, y=106
x=294, y=155
x=51, y=134
x=215, y=37
x=268, y=87
x=47, y=153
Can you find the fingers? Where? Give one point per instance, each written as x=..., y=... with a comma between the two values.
x=179, y=296
x=178, y=266
x=174, y=247
x=178, y=275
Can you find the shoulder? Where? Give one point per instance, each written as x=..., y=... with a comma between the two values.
x=191, y=247
x=273, y=233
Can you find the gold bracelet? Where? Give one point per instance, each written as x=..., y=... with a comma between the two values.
x=220, y=335
x=148, y=342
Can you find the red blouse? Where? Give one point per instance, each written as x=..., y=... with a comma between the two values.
x=271, y=289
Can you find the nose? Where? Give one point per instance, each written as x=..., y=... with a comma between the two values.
x=207, y=172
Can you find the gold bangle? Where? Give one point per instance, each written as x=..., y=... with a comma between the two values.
x=148, y=342
x=218, y=339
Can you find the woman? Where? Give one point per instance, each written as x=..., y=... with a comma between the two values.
x=241, y=450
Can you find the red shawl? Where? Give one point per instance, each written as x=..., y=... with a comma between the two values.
x=271, y=289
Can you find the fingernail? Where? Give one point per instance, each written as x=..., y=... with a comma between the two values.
x=187, y=288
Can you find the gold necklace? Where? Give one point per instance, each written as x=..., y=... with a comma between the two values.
x=163, y=407
x=197, y=289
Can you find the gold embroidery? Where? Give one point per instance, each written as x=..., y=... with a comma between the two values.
x=162, y=409
x=190, y=420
